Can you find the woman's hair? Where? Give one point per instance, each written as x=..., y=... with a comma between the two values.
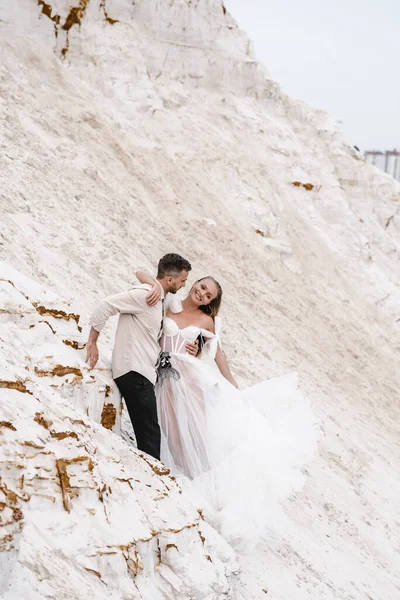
x=212, y=309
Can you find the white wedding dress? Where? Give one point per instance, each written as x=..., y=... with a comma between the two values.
x=238, y=451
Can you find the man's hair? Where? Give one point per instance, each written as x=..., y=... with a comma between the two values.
x=172, y=264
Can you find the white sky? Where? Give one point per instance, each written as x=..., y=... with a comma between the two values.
x=339, y=55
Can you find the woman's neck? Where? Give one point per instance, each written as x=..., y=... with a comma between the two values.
x=188, y=305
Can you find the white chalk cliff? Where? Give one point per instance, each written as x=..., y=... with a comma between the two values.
x=130, y=128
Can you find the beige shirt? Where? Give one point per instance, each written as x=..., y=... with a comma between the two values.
x=136, y=347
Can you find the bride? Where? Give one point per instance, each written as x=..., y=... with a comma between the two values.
x=239, y=451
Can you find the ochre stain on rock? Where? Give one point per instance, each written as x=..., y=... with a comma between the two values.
x=106, y=17
x=12, y=501
x=11, y=496
x=78, y=422
x=128, y=481
x=7, y=424
x=48, y=324
x=108, y=416
x=15, y=385
x=59, y=371
x=47, y=10
x=55, y=312
x=189, y=526
x=306, y=186
x=75, y=15
x=168, y=546
x=61, y=435
x=159, y=469
x=74, y=344
x=65, y=483
x=5, y=539
x=93, y=571
x=41, y=420
x=33, y=445
x=17, y=514
x=76, y=459
x=14, y=286
x=158, y=552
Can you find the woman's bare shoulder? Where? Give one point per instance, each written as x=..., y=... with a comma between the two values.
x=208, y=323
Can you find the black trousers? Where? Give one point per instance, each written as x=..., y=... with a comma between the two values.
x=140, y=399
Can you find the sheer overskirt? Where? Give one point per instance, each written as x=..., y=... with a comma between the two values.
x=239, y=453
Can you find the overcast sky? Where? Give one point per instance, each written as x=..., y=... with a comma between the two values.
x=339, y=55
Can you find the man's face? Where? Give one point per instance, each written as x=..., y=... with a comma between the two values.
x=176, y=282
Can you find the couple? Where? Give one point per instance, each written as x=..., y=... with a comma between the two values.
x=240, y=452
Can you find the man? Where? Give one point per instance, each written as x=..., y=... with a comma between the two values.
x=136, y=346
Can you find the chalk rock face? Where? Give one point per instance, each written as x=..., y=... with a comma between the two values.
x=47, y=349
x=82, y=514
x=132, y=128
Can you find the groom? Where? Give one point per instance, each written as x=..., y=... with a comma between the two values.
x=136, y=346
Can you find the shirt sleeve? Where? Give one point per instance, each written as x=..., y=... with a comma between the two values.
x=132, y=302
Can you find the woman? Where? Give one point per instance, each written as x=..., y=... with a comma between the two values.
x=241, y=450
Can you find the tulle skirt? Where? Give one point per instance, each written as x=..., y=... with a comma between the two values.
x=239, y=453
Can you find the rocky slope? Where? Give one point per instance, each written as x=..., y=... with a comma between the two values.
x=129, y=129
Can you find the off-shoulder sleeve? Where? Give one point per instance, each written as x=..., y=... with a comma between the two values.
x=173, y=302
x=211, y=346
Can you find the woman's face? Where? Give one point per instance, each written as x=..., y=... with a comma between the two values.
x=203, y=292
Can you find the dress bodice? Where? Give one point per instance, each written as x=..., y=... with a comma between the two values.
x=174, y=339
